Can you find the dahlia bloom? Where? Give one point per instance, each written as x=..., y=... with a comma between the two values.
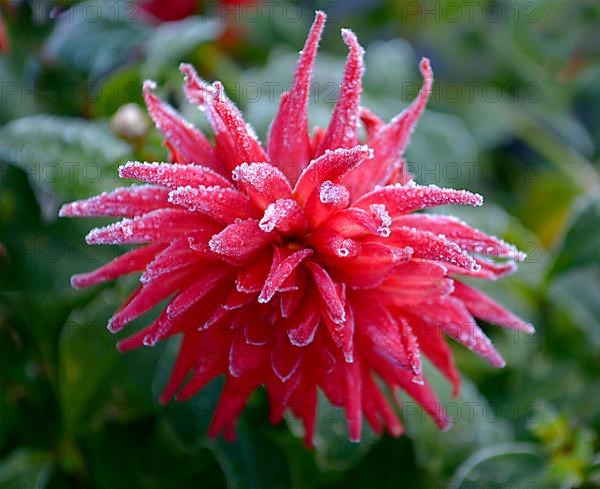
x=302, y=264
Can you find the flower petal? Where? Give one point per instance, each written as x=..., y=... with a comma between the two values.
x=241, y=240
x=132, y=261
x=288, y=142
x=332, y=165
x=190, y=143
x=221, y=204
x=342, y=130
x=122, y=202
x=390, y=141
x=173, y=175
x=402, y=199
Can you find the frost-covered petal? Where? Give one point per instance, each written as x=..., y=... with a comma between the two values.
x=389, y=141
x=122, y=202
x=173, y=175
x=288, y=142
x=132, y=261
x=190, y=143
x=241, y=239
x=236, y=141
x=402, y=199
x=162, y=225
x=342, y=130
x=221, y=204
x=264, y=183
x=332, y=165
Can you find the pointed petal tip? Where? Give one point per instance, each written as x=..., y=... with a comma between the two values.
x=65, y=211
x=149, y=85
x=78, y=281
x=114, y=325
x=187, y=69
x=351, y=40
x=320, y=17
x=425, y=65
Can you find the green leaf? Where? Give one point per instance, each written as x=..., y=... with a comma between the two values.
x=96, y=381
x=26, y=469
x=581, y=244
x=143, y=455
x=334, y=451
x=188, y=420
x=576, y=293
x=252, y=460
x=96, y=37
x=476, y=424
x=73, y=157
x=181, y=37
x=502, y=465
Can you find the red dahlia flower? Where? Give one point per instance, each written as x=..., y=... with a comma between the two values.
x=300, y=265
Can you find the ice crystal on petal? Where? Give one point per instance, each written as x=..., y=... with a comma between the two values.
x=302, y=266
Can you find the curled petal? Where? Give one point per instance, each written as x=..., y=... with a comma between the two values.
x=324, y=201
x=146, y=298
x=375, y=263
x=235, y=140
x=285, y=358
x=173, y=175
x=221, y=204
x=195, y=291
x=417, y=281
x=241, y=240
x=332, y=165
x=465, y=236
x=304, y=323
x=483, y=307
x=132, y=261
x=262, y=182
x=190, y=143
x=280, y=272
x=454, y=319
x=162, y=225
x=174, y=257
x=402, y=199
x=390, y=141
x=434, y=247
x=353, y=223
x=330, y=244
x=122, y=202
x=329, y=293
x=342, y=129
x=288, y=142
x=284, y=215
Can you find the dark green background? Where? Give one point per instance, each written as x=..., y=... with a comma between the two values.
x=515, y=115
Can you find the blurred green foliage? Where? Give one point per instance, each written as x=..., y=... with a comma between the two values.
x=515, y=115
